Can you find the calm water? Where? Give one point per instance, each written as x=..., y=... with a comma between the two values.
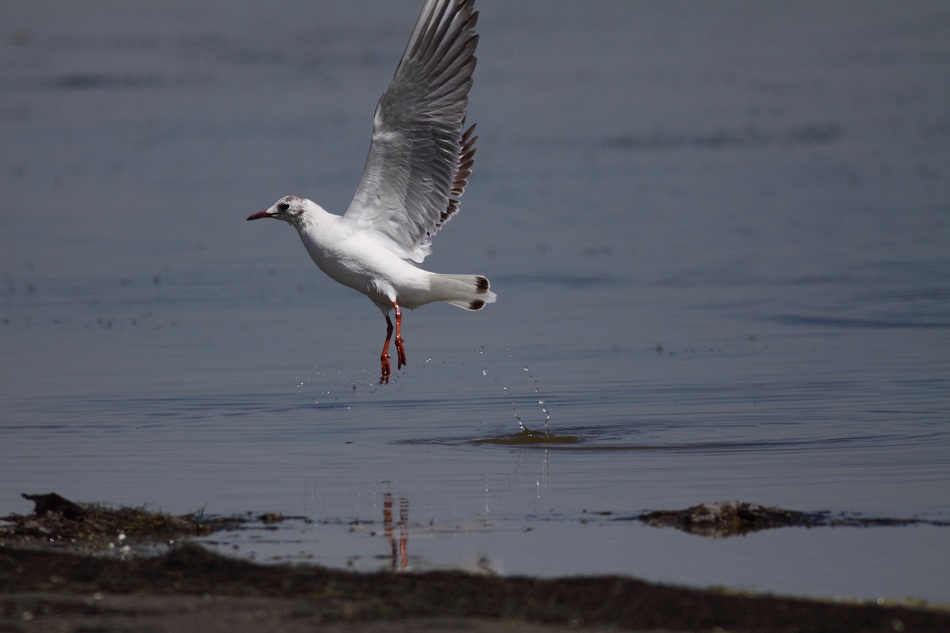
x=718, y=234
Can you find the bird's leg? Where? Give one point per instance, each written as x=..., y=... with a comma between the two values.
x=384, y=357
x=399, y=347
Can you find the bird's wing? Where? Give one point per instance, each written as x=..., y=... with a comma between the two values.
x=420, y=158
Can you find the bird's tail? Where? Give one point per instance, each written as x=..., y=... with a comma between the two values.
x=469, y=292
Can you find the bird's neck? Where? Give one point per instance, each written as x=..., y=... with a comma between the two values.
x=317, y=226
x=315, y=219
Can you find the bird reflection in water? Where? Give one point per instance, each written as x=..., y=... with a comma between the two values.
x=398, y=547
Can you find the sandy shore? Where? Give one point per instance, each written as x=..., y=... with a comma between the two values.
x=193, y=589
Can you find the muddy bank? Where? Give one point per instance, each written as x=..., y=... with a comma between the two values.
x=737, y=518
x=191, y=587
x=76, y=566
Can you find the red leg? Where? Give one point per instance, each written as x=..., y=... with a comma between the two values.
x=384, y=357
x=403, y=536
x=388, y=527
x=399, y=347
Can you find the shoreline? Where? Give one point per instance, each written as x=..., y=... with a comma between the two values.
x=64, y=568
x=191, y=587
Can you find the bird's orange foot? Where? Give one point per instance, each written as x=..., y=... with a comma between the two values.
x=386, y=371
x=401, y=353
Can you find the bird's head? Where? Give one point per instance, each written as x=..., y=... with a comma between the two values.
x=290, y=209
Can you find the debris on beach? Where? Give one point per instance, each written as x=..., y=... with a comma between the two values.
x=727, y=518
x=57, y=520
x=736, y=518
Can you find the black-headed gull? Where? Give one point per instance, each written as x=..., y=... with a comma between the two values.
x=418, y=166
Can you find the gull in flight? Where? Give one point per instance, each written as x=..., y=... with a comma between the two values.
x=418, y=166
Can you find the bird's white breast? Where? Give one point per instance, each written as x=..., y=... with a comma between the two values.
x=362, y=261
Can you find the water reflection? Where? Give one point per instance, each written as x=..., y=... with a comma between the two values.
x=399, y=547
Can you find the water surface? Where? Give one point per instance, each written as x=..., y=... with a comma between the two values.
x=718, y=236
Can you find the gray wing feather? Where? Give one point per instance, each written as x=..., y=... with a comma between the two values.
x=420, y=157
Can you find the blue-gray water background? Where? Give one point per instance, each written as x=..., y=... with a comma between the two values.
x=718, y=232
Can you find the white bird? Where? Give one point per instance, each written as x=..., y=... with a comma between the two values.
x=418, y=166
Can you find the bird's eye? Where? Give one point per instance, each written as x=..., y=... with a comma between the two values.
x=282, y=207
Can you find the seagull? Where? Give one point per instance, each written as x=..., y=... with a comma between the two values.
x=419, y=162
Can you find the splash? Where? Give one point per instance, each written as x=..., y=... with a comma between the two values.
x=509, y=376
x=329, y=388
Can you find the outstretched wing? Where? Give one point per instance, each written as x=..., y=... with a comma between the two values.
x=420, y=158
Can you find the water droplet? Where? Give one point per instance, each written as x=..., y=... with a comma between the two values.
x=484, y=372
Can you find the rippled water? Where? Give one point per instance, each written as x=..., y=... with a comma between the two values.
x=718, y=235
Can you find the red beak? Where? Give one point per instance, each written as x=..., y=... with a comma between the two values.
x=261, y=214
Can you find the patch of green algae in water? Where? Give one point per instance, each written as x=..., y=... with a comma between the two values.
x=528, y=437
